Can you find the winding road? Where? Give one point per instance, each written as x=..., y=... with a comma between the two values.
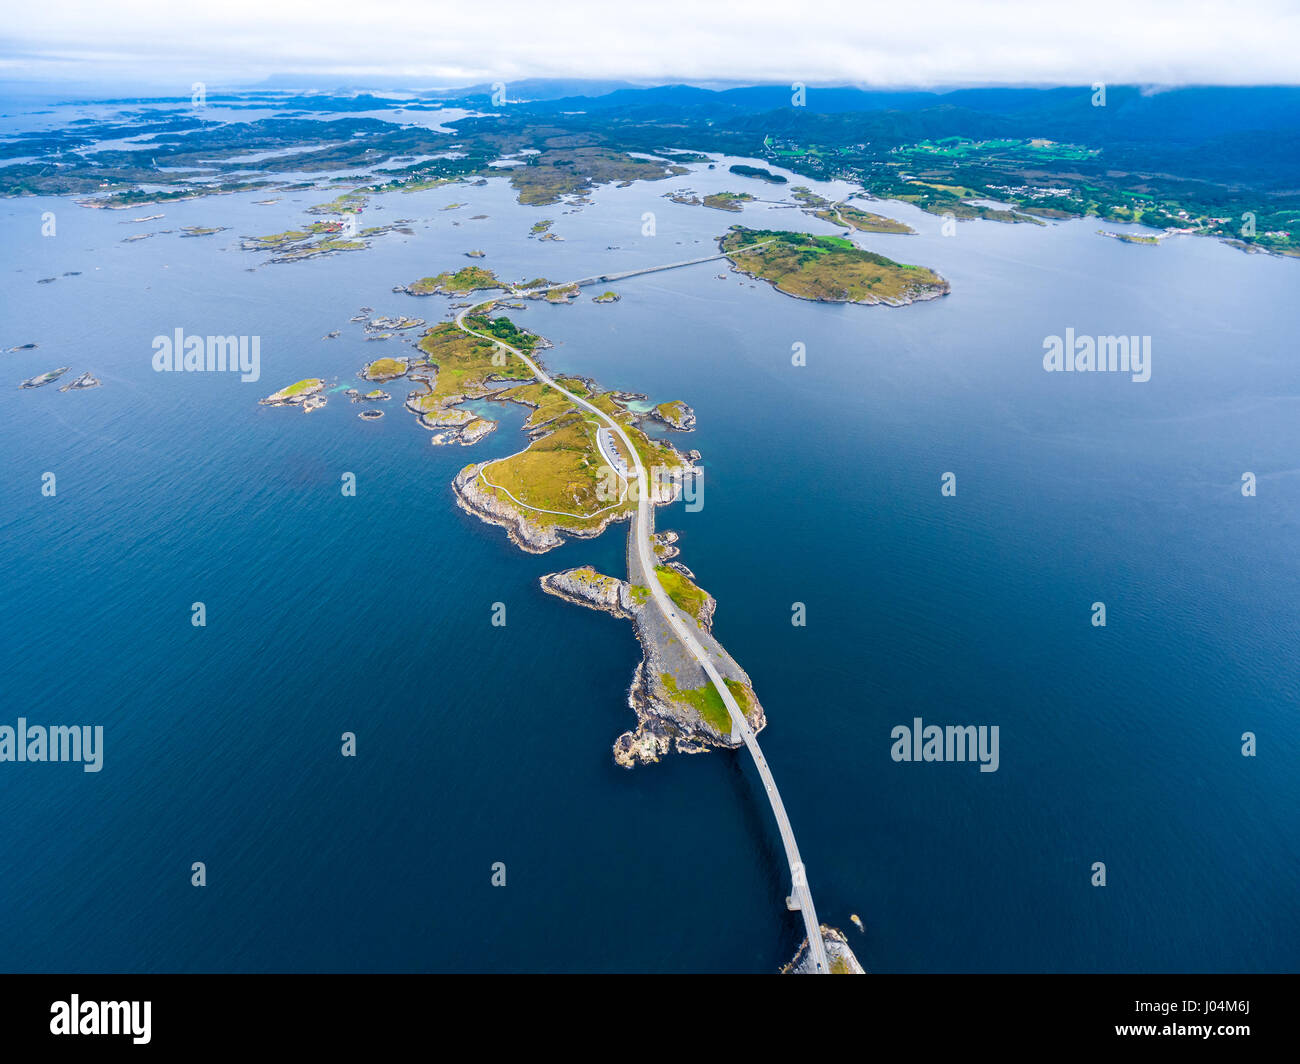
x=643, y=527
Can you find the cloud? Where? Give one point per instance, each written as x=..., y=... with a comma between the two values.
x=940, y=42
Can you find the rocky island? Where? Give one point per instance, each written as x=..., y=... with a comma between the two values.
x=302, y=393
x=676, y=705
x=385, y=369
x=828, y=269
x=82, y=383
x=42, y=379
x=676, y=415
x=462, y=282
x=726, y=201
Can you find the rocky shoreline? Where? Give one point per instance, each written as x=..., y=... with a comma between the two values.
x=305, y=393
x=917, y=296
x=838, y=953
x=524, y=532
x=913, y=291
x=676, y=415
x=664, y=723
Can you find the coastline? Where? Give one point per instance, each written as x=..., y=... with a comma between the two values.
x=665, y=720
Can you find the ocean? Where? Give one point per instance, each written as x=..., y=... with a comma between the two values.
x=478, y=744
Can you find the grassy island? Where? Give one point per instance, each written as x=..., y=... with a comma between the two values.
x=461, y=283
x=385, y=369
x=726, y=201
x=294, y=393
x=740, y=170
x=1131, y=238
x=349, y=203
x=676, y=414
x=829, y=268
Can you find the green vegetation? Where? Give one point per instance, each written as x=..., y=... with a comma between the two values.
x=563, y=470
x=348, y=203
x=829, y=268
x=295, y=244
x=940, y=198
x=416, y=184
x=704, y=700
x=842, y=214
x=294, y=392
x=560, y=471
x=275, y=240
x=548, y=402
x=319, y=247
x=708, y=703
x=564, y=294
x=555, y=173
x=42, y=379
x=140, y=197
x=598, y=583
x=864, y=221
x=651, y=453
x=685, y=595
x=1140, y=159
x=741, y=170
x=384, y=369
x=727, y=201
x=675, y=413
x=1131, y=238
x=504, y=330
x=461, y=283
x=543, y=226
x=464, y=365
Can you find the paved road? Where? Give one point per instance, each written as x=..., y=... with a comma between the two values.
x=605, y=442
x=800, y=896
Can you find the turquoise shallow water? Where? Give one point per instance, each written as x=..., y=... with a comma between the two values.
x=478, y=744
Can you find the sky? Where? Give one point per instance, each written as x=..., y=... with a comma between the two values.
x=432, y=43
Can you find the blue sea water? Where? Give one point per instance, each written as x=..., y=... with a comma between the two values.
x=478, y=744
